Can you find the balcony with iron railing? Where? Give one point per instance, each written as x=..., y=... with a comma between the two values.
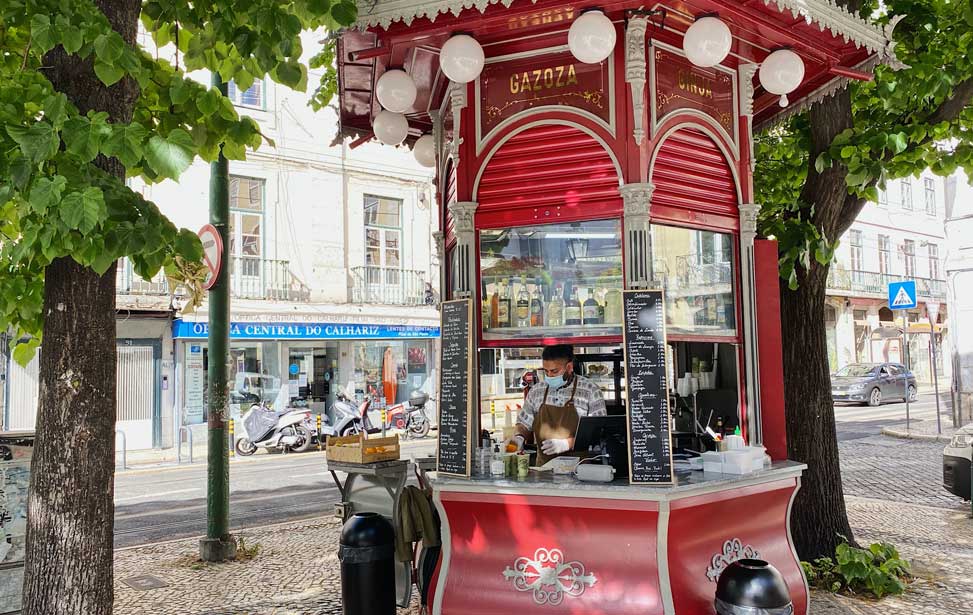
x=876, y=284
x=250, y=278
x=388, y=286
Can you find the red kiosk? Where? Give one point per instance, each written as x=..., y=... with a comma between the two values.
x=583, y=150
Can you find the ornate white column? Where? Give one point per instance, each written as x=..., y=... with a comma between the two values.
x=748, y=232
x=635, y=72
x=746, y=74
x=440, y=242
x=457, y=103
x=465, y=262
x=638, y=240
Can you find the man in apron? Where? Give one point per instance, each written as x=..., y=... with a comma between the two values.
x=551, y=411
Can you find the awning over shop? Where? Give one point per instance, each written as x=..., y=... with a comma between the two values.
x=305, y=331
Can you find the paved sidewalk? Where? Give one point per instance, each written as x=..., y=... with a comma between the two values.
x=922, y=430
x=295, y=571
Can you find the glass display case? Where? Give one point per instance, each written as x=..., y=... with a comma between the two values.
x=551, y=281
x=696, y=270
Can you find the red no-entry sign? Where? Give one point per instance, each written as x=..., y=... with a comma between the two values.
x=212, y=253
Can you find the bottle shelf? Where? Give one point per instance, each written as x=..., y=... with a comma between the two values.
x=565, y=331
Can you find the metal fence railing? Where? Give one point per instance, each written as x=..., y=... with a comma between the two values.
x=388, y=286
x=874, y=283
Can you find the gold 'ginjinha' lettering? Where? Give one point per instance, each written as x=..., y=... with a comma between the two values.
x=541, y=79
x=695, y=84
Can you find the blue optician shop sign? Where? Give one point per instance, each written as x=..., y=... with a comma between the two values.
x=182, y=329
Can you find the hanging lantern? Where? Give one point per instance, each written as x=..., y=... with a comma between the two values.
x=396, y=91
x=425, y=151
x=781, y=73
x=461, y=58
x=591, y=37
x=390, y=128
x=707, y=41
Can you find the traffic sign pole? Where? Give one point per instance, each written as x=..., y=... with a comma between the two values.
x=932, y=312
x=902, y=296
x=906, y=357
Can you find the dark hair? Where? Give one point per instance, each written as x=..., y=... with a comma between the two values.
x=557, y=352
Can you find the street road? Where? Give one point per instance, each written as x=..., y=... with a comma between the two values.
x=854, y=422
x=160, y=504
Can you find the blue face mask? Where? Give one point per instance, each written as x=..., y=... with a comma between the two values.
x=554, y=381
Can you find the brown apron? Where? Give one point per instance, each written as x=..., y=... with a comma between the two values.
x=555, y=422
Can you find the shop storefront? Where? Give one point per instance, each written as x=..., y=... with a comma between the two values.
x=305, y=363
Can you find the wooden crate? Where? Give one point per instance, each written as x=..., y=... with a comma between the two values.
x=355, y=449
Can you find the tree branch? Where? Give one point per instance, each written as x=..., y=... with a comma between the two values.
x=950, y=109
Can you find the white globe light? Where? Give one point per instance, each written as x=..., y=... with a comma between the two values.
x=390, y=128
x=396, y=91
x=591, y=37
x=781, y=73
x=425, y=151
x=461, y=58
x=707, y=41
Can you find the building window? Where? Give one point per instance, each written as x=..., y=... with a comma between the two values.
x=857, y=257
x=246, y=230
x=883, y=198
x=909, y=252
x=930, y=185
x=933, y=261
x=252, y=97
x=383, y=241
x=906, y=188
x=884, y=253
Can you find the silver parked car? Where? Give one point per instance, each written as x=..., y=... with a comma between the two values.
x=957, y=460
x=873, y=383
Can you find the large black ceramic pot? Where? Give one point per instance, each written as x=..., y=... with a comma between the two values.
x=752, y=587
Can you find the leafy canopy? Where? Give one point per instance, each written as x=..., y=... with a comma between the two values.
x=903, y=122
x=55, y=202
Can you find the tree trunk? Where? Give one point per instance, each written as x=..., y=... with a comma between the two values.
x=70, y=524
x=819, y=518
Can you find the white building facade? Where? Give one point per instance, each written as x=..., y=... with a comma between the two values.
x=334, y=274
x=902, y=237
x=959, y=286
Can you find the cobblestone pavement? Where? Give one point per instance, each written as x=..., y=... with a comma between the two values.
x=294, y=572
x=897, y=470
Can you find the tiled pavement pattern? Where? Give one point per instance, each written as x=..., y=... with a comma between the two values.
x=897, y=470
x=893, y=494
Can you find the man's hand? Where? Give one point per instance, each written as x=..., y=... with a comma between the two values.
x=555, y=447
x=514, y=444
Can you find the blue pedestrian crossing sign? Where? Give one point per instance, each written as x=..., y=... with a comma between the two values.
x=902, y=295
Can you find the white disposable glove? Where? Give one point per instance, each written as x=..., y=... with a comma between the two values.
x=517, y=441
x=555, y=447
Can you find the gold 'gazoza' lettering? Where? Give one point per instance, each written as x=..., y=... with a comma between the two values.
x=550, y=78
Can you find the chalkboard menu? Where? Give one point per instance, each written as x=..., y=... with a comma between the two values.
x=649, y=440
x=457, y=394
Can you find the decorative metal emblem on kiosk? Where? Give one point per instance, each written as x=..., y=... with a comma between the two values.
x=549, y=577
x=733, y=550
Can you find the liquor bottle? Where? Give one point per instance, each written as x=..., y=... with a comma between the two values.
x=523, y=304
x=600, y=298
x=495, y=306
x=503, y=307
x=555, y=309
x=537, y=305
x=589, y=311
x=572, y=309
x=613, y=306
x=485, y=308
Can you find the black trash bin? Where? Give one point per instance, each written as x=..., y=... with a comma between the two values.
x=752, y=587
x=367, y=556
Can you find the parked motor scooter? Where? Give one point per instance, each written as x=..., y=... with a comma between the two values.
x=288, y=430
x=344, y=418
x=410, y=417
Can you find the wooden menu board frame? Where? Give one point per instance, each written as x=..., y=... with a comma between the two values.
x=472, y=397
x=663, y=394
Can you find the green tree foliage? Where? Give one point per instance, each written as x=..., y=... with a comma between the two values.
x=55, y=202
x=903, y=122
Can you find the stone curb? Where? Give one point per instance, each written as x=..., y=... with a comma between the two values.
x=910, y=435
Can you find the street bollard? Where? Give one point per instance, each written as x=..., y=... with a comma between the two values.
x=384, y=419
x=367, y=555
x=320, y=435
x=493, y=414
x=231, y=450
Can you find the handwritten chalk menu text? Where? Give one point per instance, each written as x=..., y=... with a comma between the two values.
x=650, y=446
x=456, y=388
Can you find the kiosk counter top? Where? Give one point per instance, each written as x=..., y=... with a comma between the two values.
x=688, y=484
x=543, y=544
